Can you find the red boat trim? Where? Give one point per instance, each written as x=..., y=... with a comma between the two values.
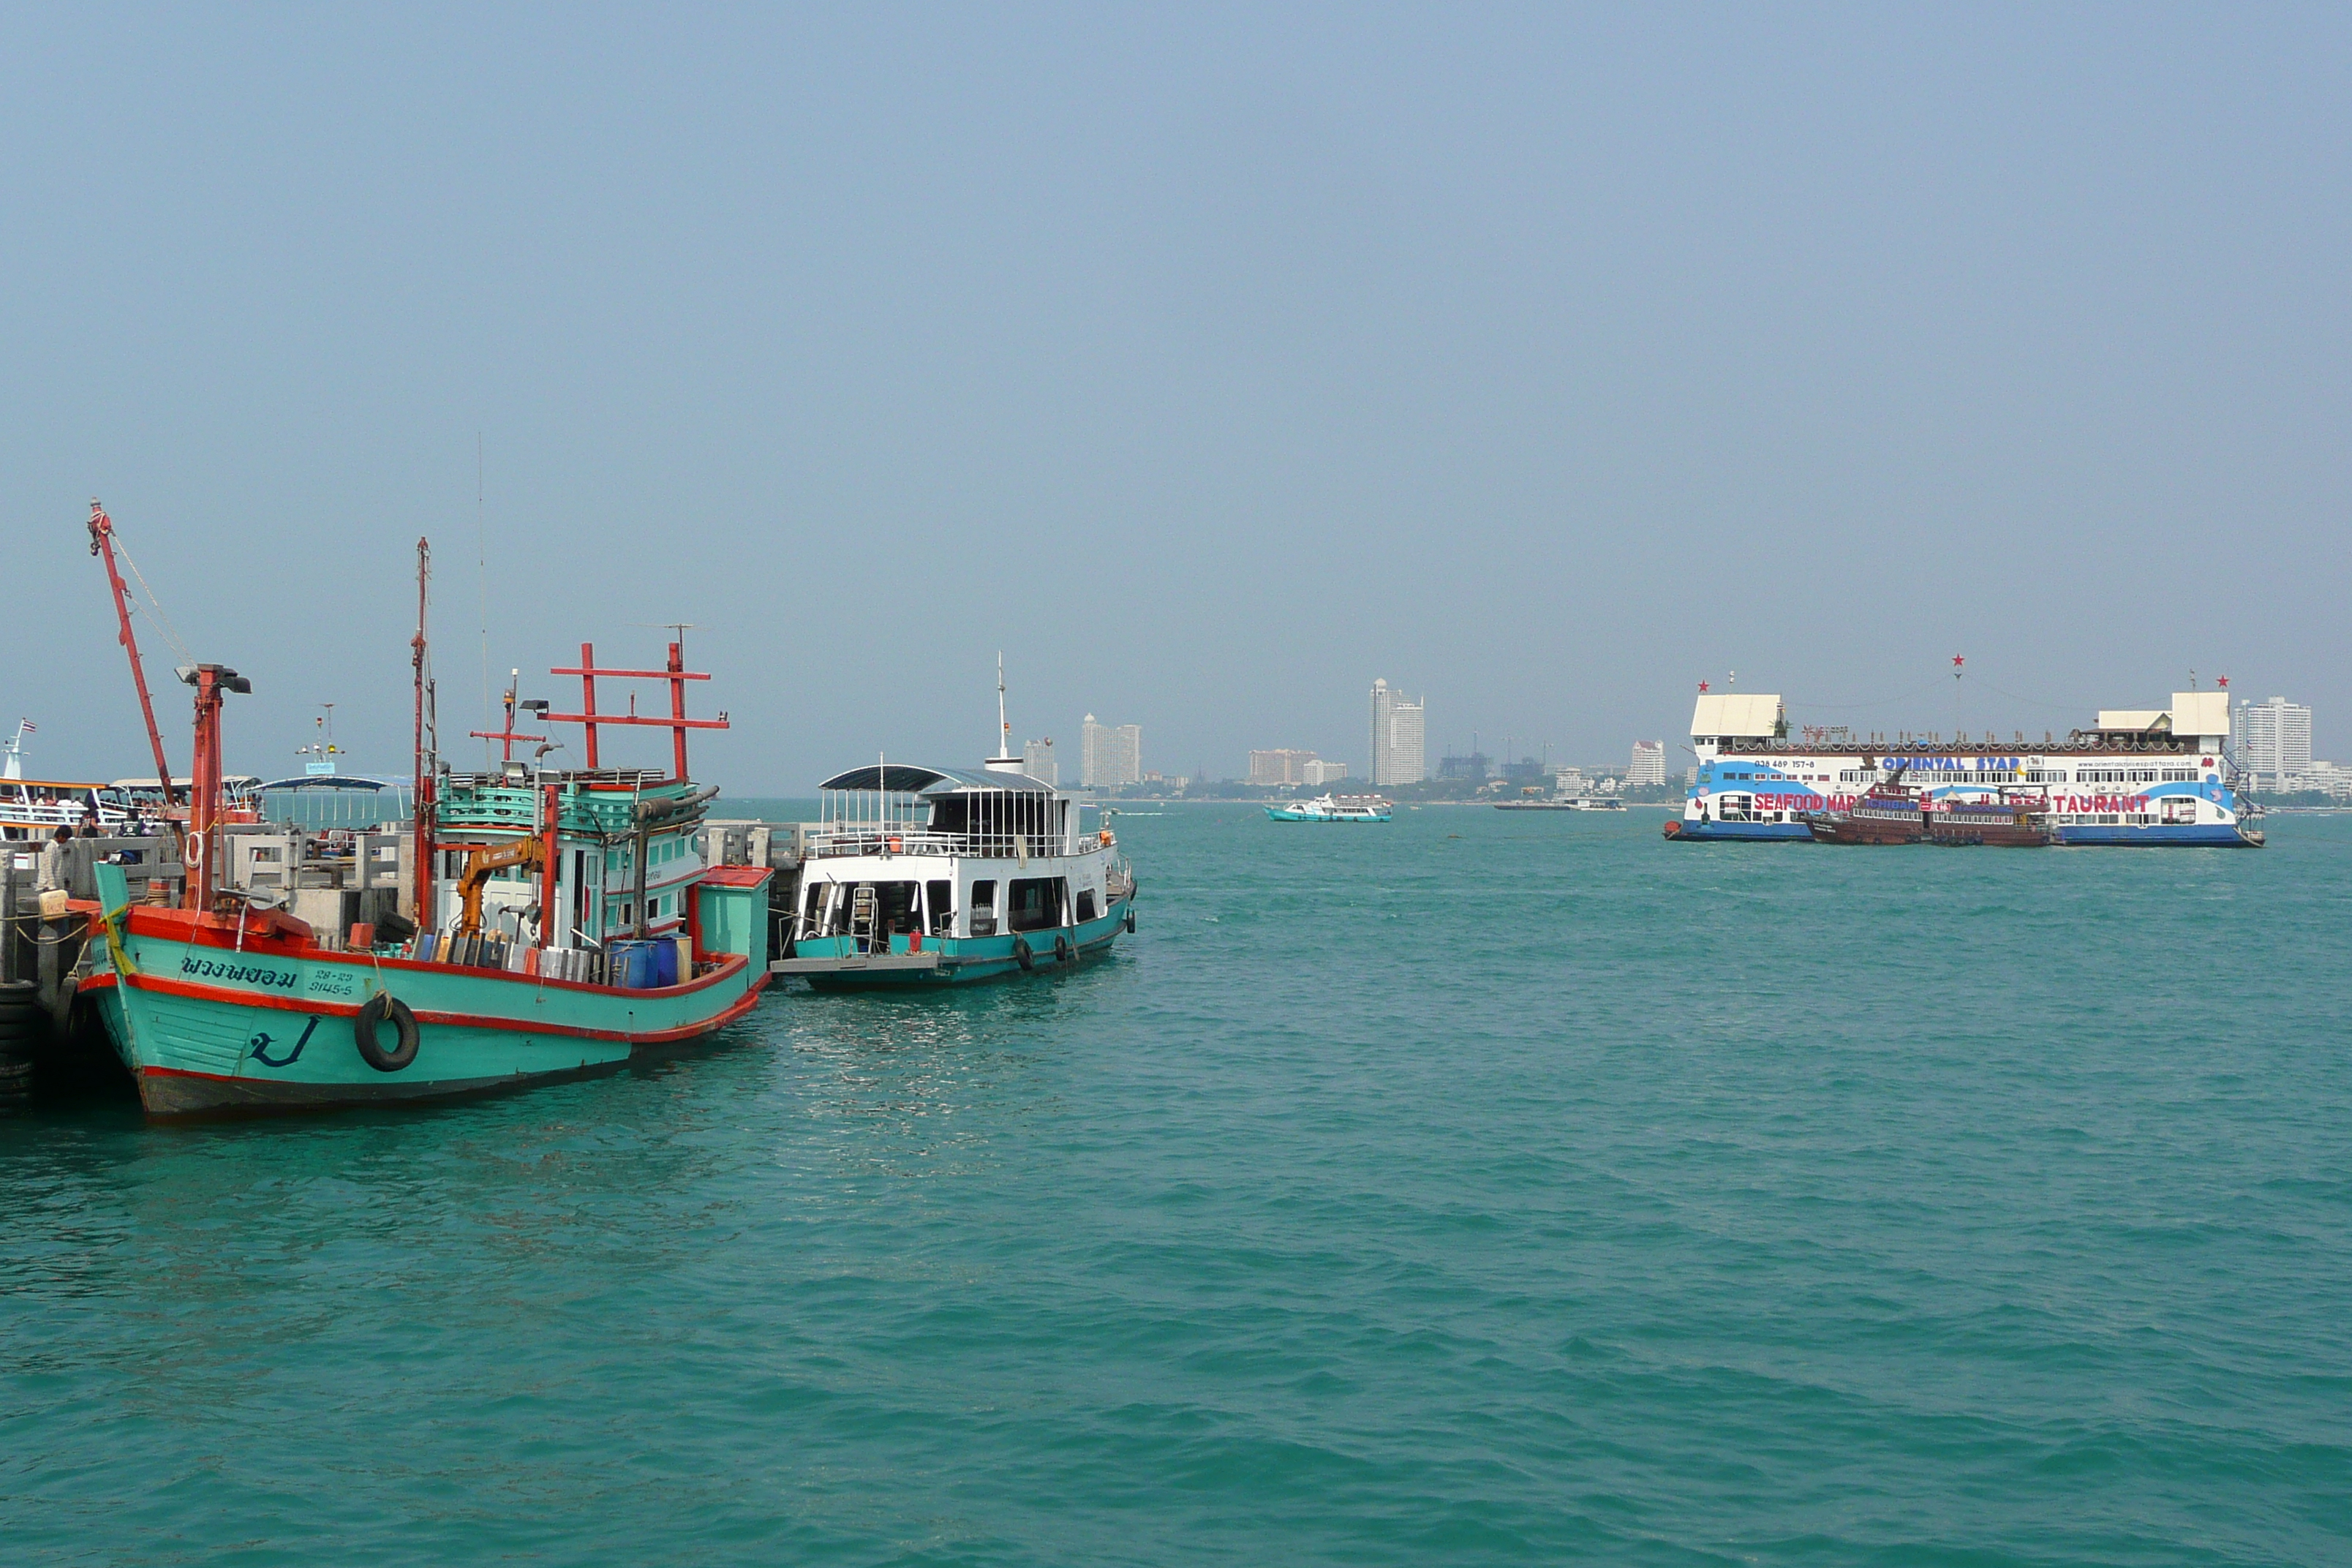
x=196, y=993
x=143, y=922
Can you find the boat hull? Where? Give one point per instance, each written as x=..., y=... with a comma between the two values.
x=834, y=963
x=1840, y=828
x=207, y=1024
x=1687, y=831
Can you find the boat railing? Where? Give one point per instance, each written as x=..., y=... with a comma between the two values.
x=834, y=840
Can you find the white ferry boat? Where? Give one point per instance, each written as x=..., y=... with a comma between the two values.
x=1334, y=808
x=2138, y=776
x=936, y=876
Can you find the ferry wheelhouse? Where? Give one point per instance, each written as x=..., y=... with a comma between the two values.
x=2138, y=776
x=921, y=876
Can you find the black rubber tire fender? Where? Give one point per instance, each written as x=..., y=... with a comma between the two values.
x=374, y=1011
x=1129, y=924
x=1022, y=955
x=1062, y=953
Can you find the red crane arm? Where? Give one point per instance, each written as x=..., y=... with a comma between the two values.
x=101, y=542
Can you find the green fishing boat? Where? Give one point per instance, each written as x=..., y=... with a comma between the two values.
x=563, y=923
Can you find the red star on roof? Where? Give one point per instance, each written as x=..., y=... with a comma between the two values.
x=1701, y=686
x=2223, y=682
x=1958, y=659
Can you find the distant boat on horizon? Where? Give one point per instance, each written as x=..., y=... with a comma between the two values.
x=1335, y=809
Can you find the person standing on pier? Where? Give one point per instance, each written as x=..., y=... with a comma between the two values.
x=52, y=874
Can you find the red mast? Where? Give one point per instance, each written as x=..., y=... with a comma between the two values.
x=426, y=767
x=211, y=681
x=101, y=542
x=678, y=723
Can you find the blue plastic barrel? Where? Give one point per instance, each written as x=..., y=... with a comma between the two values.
x=632, y=963
x=665, y=963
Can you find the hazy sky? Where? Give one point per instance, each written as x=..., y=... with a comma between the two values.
x=1210, y=363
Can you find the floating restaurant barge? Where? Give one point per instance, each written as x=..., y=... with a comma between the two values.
x=2159, y=776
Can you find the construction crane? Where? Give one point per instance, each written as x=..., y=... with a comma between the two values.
x=102, y=543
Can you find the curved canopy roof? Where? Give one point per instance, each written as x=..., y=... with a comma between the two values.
x=335, y=781
x=901, y=778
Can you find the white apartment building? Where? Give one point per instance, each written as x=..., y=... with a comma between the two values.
x=2273, y=739
x=1037, y=761
x=1320, y=772
x=1649, y=764
x=1399, y=754
x=1110, y=754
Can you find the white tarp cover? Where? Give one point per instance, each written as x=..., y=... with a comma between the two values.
x=1736, y=713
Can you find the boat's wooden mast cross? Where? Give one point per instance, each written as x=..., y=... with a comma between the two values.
x=678, y=723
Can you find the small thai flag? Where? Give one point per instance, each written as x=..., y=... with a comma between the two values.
x=26, y=725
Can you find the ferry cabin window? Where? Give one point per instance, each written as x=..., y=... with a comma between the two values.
x=1034, y=903
x=1085, y=905
x=984, y=908
x=941, y=907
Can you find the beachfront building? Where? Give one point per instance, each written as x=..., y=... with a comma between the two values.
x=1649, y=764
x=1399, y=756
x=2273, y=741
x=1111, y=755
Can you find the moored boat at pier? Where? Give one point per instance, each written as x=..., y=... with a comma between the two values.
x=920, y=876
x=562, y=923
x=2007, y=824
x=1886, y=814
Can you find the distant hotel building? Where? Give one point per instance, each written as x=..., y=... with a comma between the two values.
x=1037, y=761
x=1111, y=755
x=1321, y=772
x=1280, y=767
x=2273, y=739
x=1649, y=764
x=1399, y=756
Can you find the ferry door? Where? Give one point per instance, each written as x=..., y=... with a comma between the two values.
x=2181, y=808
x=1734, y=807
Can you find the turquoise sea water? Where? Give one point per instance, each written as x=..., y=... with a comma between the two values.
x=1487, y=1188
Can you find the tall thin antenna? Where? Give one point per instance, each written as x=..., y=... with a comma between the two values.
x=1003, y=728
x=482, y=571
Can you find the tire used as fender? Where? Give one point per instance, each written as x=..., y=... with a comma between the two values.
x=1061, y=950
x=374, y=1011
x=1022, y=955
